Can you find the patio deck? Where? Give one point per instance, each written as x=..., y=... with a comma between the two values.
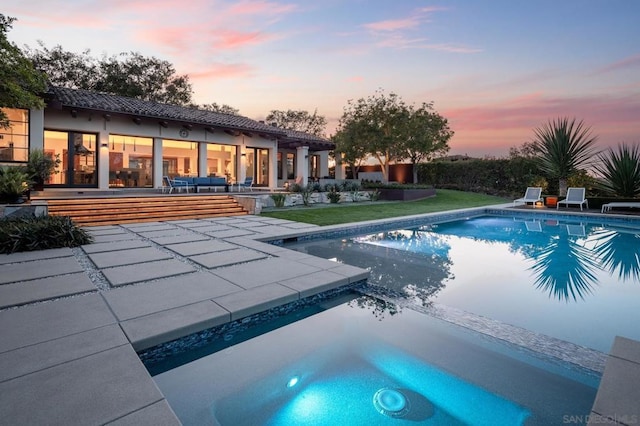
x=73, y=319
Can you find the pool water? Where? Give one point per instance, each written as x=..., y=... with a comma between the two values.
x=368, y=362
x=574, y=281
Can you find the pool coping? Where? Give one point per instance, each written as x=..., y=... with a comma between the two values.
x=68, y=354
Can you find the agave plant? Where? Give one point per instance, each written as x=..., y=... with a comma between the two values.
x=563, y=147
x=620, y=171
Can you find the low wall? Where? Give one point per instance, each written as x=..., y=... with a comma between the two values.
x=395, y=194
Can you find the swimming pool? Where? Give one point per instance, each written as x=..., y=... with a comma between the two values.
x=367, y=362
x=388, y=357
x=577, y=281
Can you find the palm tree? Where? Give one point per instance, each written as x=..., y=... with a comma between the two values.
x=620, y=171
x=563, y=147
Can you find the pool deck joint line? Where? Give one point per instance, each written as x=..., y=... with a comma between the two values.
x=72, y=320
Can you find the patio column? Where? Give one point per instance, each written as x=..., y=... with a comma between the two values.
x=202, y=159
x=273, y=167
x=324, y=164
x=302, y=164
x=157, y=162
x=102, y=145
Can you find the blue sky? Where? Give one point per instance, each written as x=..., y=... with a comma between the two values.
x=496, y=69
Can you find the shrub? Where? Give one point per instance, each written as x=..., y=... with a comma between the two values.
x=333, y=196
x=620, y=171
x=40, y=233
x=14, y=182
x=374, y=195
x=279, y=199
x=306, y=192
x=41, y=166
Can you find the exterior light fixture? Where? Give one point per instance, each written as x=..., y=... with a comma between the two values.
x=163, y=124
x=137, y=120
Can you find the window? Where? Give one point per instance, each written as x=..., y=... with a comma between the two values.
x=130, y=162
x=14, y=141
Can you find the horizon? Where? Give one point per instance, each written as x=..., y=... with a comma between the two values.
x=496, y=71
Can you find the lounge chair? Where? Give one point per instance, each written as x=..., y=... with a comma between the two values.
x=606, y=208
x=575, y=196
x=532, y=195
x=248, y=183
x=171, y=184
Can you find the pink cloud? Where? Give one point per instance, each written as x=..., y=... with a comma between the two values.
x=261, y=8
x=221, y=71
x=492, y=129
x=630, y=62
x=393, y=24
x=356, y=79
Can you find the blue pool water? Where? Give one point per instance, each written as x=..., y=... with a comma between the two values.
x=575, y=281
x=460, y=323
x=329, y=368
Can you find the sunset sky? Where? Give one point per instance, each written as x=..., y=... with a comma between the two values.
x=496, y=69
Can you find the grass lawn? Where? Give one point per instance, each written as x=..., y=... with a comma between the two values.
x=332, y=214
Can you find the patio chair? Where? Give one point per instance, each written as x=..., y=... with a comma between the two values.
x=248, y=183
x=575, y=196
x=171, y=184
x=532, y=194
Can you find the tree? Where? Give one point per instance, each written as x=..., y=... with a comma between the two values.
x=65, y=69
x=21, y=85
x=563, y=147
x=127, y=74
x=377, y=123
x=348, y=150
x=427, y=135
x=222, y=109
x=299, y=120
x=620, y=170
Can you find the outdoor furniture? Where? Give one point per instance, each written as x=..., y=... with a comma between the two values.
x=575, y=196
x=214, y=182
x=248, y=183
x=177, y=184
x=531, y=195
x=606, y=208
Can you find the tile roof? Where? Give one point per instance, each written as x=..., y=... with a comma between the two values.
x=86, y=99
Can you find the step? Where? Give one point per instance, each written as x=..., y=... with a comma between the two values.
x=115, y=210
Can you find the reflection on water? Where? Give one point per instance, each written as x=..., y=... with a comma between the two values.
x=578, y=282
x=565, y=257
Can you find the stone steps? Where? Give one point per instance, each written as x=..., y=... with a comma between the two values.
x=96, y=211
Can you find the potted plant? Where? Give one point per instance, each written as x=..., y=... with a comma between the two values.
x=14, y=182
x=40, y=167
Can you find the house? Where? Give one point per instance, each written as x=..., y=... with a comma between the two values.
x=108, y=142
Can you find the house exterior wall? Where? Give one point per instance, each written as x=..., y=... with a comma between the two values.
x=105, y=127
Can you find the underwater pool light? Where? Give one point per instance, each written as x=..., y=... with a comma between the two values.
x=293, y=381
x=391, y=402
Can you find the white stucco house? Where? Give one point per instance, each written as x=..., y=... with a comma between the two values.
x=107, y=142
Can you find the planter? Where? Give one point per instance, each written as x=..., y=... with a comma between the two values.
x=401, y=194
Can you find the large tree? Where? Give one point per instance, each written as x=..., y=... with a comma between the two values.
x=427, y=136
x=127, y=74
x=378, y=123
x=299, y=120
x=221, y=108
x=349, y=150
x=21, y=85
x=563, y=147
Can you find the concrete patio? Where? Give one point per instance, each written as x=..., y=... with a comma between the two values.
x=73, y=319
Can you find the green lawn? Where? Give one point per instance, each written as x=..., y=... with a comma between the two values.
x=354, y=212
